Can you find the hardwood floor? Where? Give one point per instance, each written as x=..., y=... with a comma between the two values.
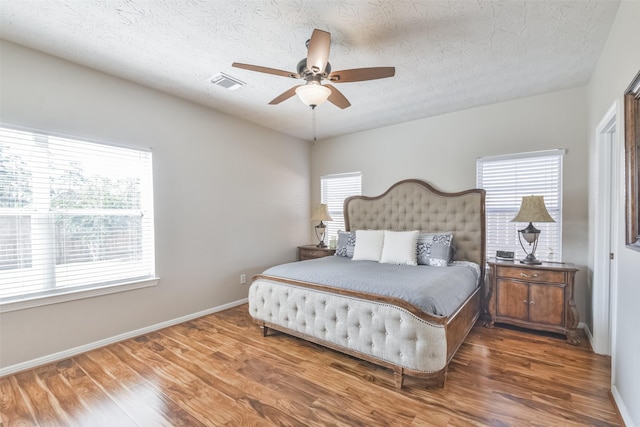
x=219, y=370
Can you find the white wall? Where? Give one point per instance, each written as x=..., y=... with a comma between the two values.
x=617, y=66
x=211, y=171
x=443, y=150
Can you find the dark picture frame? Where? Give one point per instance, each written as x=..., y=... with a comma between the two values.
x=632, y=162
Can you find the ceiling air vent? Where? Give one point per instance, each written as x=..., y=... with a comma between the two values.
x=226, y=81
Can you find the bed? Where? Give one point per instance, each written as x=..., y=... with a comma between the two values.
x=344, y=304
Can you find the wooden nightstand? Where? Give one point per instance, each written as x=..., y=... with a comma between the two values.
x=533, y=296
x=312, y=251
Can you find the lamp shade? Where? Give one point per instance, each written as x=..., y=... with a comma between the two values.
x=313, y=94
x=321, y=213
x=533, y=210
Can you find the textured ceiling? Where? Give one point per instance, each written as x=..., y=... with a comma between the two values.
x=449, y=55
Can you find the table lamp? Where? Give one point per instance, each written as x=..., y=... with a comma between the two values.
x=531, y=210
x=321, y=214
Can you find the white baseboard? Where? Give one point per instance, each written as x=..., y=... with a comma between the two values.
x=30, y=364
x=587, y=331
x=624, y=413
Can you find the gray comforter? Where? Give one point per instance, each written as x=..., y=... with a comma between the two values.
x=435, y=290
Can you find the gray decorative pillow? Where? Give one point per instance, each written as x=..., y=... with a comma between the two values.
x=346, y=243
x=435, y=249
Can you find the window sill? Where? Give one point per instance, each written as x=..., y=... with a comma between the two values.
x=76, y=294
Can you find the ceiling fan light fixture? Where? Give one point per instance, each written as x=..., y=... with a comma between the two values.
x=313, y=94
x=314, y=69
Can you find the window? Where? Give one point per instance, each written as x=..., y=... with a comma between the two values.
x=506, y=179
x=74, y=215
x=334, y=189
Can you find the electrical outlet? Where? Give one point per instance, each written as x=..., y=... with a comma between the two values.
x=243, y=279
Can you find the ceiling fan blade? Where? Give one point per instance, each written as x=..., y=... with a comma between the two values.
x=266, y=70
x=284, y=95
x=337, y=98
x=361, y=74
x=318, y=51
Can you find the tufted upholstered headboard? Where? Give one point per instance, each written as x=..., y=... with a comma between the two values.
x=415, y=205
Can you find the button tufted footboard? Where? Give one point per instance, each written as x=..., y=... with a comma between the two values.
x=372, y=330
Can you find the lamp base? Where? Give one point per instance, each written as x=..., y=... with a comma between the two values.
x=530, y=260
x=530, y=234
x=321, y=245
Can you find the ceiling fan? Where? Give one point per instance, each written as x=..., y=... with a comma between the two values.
x=314, y=69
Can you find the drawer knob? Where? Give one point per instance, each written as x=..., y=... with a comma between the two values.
x=528, y=276
x=532, y=302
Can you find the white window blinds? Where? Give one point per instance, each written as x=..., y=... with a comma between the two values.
x=73, y=215
x=334, y=190
x=506, y=179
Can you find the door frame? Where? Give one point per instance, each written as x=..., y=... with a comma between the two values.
x=606, y=210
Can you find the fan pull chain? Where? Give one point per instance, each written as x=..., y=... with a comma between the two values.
x=313, y=121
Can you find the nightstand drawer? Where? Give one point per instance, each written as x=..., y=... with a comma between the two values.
x=313, y=252
x=310, y=253
x=536, y=275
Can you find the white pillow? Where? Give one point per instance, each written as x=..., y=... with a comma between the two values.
x=368, y=245
x=400, y=247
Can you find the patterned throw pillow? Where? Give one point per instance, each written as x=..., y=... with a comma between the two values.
x=435, y=249
x=346, y=243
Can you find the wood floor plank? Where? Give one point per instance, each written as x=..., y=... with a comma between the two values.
x=143, y=387
x=186, y=390
x=250, y=374
x=66, y=397
x=14, y=411
x=219, y=370
x=45, y=407
x=322, y=377
x=144, y=406
x=100, y=409
x=226, y=382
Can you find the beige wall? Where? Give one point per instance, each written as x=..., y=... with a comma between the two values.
x=211, y=171
x=617, y=66
x=443, y=150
